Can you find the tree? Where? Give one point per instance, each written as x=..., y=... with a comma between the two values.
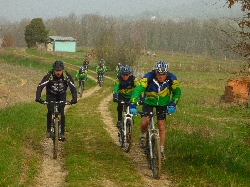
x=8, y=41
x=242, y=44
x=35, y=32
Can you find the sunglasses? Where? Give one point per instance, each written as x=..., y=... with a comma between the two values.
x=125, y=74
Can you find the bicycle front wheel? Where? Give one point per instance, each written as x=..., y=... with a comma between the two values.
x=81, y=89
x=128, y=135
x=55, y=139
x=156, y=159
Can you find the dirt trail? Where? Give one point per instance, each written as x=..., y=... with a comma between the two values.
x=136, y=155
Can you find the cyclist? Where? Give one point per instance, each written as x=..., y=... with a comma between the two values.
x=56, y=82
x=86, y=64
x=162, y=92
x=100, y=69
x=123, y=88
x=82, y=74
x=118, y=68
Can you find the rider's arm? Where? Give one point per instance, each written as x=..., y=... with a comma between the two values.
x=176, y=91
x=72, y=87
x=138, y=90
x=41, y=85
x=116, y=86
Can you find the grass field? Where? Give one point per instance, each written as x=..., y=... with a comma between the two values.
x=206, y=138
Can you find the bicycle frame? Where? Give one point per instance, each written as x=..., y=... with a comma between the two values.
x=126, y=138
x=151, y=131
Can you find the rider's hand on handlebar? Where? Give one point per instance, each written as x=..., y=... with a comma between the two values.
x=115, y=97
x=171, y=108
x=132, y=108
x=39, y=100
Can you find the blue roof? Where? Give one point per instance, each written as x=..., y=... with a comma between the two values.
x=61, y=38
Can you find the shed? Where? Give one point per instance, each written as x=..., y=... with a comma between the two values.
x=63, y=44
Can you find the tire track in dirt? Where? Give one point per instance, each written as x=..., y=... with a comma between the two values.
x=136, y=155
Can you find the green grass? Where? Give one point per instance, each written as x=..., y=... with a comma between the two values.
x=206, y=139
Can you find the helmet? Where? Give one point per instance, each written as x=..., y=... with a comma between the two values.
x=81, y=68
x=58, y=65
x=101, y=64
x=161, y=67
x=119, y=64
x=126, y=69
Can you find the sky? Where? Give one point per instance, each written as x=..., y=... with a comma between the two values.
x=16, y=10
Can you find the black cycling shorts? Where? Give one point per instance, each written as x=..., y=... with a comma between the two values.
x=160, y=110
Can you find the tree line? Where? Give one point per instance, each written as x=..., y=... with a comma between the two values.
x=106, y=34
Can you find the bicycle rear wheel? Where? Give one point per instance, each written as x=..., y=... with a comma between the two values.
x=129, y=132
x=156, y=160
x=55, y=139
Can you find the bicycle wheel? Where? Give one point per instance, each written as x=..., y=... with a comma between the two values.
x=129, y=132
x=156, y=160
x=81, y=89
x=121, y=136
x=55, y=139
x=147, y=151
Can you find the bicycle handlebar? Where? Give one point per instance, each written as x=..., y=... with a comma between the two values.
x=57, y=102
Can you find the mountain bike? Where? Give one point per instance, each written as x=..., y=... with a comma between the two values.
x=81, y=87
x=56, y=124
x=126, y=131
x=152, y=148
x=100, y=79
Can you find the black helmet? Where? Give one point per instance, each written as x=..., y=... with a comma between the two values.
x=58, y=65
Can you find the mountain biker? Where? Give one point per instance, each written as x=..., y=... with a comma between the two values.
x=123, y=88
x=118, y=68
x=100, y=69
x=86, y=64
x=56, y=82
x=162, y=92
x=82, y=74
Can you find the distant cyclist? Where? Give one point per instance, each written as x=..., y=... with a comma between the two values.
x=123, y=88
x=100, y=69
x=81, y=75
x=118, y=68
x=56, y=82
x=162, y=91
x=86, y=64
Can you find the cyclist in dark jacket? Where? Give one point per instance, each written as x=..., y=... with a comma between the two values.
x=162, y=92
x=123, y=88
x=56, y=82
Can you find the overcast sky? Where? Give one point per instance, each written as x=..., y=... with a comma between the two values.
x=16, y=10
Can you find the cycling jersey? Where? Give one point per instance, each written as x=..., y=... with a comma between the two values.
x=56, y=85
x=125, y=88
x=82, y=74
x=156, y=93
x=100, y=69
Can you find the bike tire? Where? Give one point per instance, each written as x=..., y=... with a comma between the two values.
x=81, y=89
x=121, y=137
x=147, y=151
x=129, y=135
x=55, y=139
x=156, y=160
